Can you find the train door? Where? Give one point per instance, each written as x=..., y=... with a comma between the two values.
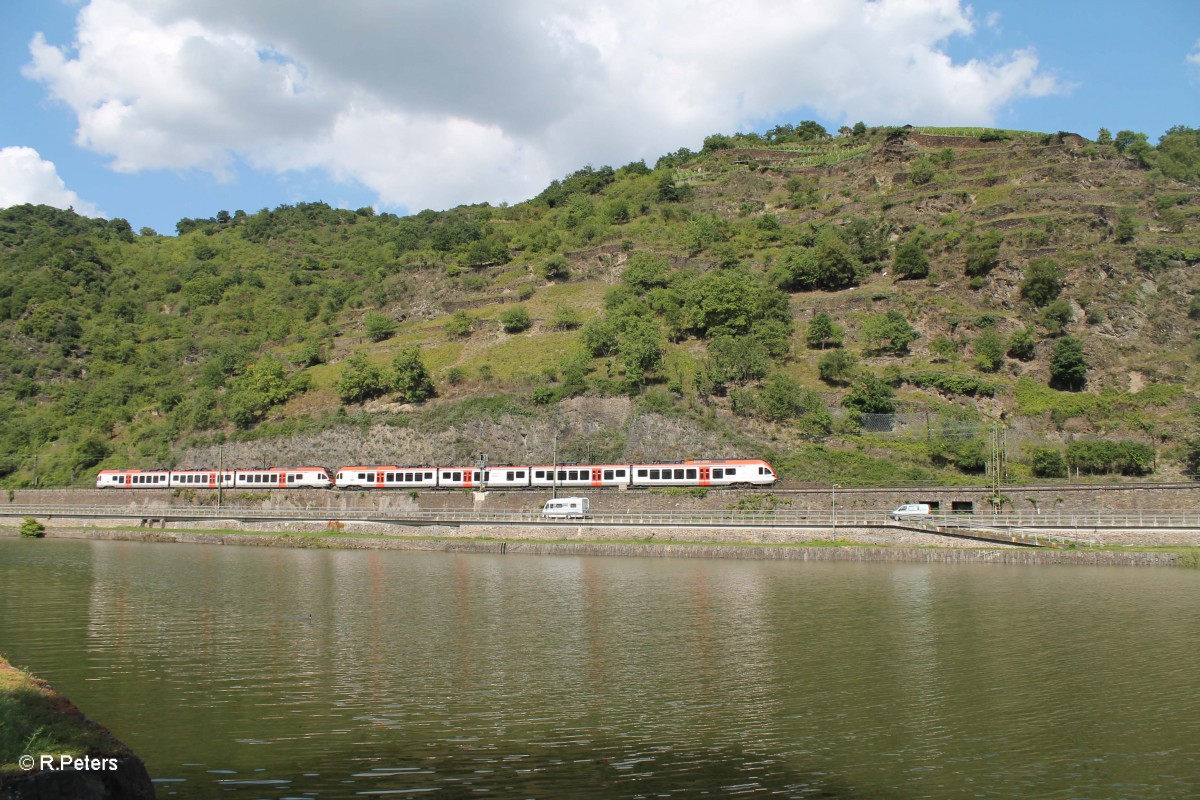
x=597, y=477
x=379, y=480
x=705, y=476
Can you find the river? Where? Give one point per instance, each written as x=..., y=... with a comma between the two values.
x=272, y=673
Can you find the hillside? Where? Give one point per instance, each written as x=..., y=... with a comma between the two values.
x=876, y=306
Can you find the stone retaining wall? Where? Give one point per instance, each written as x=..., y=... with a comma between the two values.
x=966, y=554
x=1050, y=499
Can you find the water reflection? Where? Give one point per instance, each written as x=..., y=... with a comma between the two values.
x=278, y=673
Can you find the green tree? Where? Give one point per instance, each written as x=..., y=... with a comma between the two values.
x=32, y=529
x=822, y=332
x=360, y=380
x=556, y=268
x=1068, y=366
x=836, y=266
x=738, y=359
x=378, y=326
x=515, y=319
x=599, y=337
x=983, y=253
x=641, y=349
x=911, y=260
x=646, y=271
x=1042, y=282
x=1179, y=154
x=255, y=391
x=888, y=333
x=410, y=378
x=781, y=398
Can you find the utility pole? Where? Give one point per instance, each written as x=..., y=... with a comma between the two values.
x=220, y=471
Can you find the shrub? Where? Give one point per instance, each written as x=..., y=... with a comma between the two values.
x=1022, y=344
x=1068, y=367
x=888, y=333
x=837, y=367
x=983, y=254
x=952, y=383
x=1101, y=456
x=378, y=326
x=1047, y=462
x=870, y=395
x=565, y=319
x=1057, y=316
x=33, y=529
x=1042, y=282
x=989, y=351
x=911, y=261
x=459, y=324
x=515, y=319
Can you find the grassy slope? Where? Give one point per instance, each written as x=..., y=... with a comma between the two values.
x=304, y=277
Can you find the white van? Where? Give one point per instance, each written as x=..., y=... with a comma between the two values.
x=909, y=510
x=567, y=508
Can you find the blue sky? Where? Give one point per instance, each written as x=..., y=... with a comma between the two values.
x=155, y=110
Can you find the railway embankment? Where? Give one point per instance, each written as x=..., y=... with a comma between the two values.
x=49, y=749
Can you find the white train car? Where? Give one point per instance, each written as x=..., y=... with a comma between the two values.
x=460, y=477
x=385, y=477
x=504, y=476
x=725, y=472
x=133, y=479
x=201, y=479
x=596, y=476
x=282, y=478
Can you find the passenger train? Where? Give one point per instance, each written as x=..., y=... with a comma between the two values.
x=716, y=473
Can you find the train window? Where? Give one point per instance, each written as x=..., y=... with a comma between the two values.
x=691, y=474
x=478, y=477
x=291, y=478
x=457, y=476
x=718, y=472
x=539, y=473
x=678, y=474
x=120, y=479
x=520, y=474
x=730, y=472
x=608, y=474
x=641, y=473
x=620, y=473
x=562, y=474
x=510, y=475
x=653, y=474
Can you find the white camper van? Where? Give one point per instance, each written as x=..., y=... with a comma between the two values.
x=567, y=508
x=910, y=510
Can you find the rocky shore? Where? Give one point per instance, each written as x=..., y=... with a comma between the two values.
x=62, y=754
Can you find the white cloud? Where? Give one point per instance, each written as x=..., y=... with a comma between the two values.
x=26, y=178
x=1193, y=58
x=432, y=104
